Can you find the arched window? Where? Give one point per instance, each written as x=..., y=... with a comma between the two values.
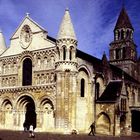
x=118, y=53
x=122, y=34
x=58, y=53
x=64, y=53
x=82, y=87
x=118, y=35
x=27, y=72
x=127, y=34
x=133, y=98
x=124, y=50
x=97, y=90
x=70, y=53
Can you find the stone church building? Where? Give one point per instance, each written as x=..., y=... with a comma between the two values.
x=51, y=84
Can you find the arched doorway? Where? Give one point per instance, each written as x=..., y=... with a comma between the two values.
x=103, y=124
x=135, y=120
x=27, y=72
x=27, y=114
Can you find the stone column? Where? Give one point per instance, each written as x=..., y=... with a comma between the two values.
x=73, y=84
x=67, y=53
x=61, y=54
x=58, y=101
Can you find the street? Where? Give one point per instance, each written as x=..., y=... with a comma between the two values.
x=20, y=135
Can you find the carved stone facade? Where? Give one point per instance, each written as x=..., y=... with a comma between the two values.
x=51, y=84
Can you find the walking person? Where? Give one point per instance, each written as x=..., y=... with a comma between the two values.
x=31, y=132
x=92, y=129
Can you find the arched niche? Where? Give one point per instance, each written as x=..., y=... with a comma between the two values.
x=103, y=123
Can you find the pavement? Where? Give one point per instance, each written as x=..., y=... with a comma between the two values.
x=20, y=135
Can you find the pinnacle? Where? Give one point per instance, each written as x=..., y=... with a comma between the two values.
x=27, y=14
x=2, y=43
x=66, y=29
x=123, y=20
x=67, y=9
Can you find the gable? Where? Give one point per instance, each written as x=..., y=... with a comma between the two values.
x=29, y=36
x=27, y=21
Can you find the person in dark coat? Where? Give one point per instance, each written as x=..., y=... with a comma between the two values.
x=92, y=129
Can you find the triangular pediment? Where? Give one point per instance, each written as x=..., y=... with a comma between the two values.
x=29, y=36
x=35, y=27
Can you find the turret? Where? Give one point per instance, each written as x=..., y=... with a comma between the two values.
x=123, y=49
x=66, y=67
x=67, y=43
x=123, y=28
x=2, y=43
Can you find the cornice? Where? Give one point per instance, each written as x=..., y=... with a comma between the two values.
x=48, y=87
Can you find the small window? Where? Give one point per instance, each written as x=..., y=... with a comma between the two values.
x=64, y=53
x=127, y=34
x=124, y=52
x=82, y=87
x=70, y=53
x=133, y=98
x=122, y=34
x=97, y=90
x=118, y=53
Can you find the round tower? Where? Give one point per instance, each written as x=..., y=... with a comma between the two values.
x=66, y=73
x=66, y=43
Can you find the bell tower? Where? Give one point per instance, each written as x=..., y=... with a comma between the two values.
x=122, y=51
x=66, y=71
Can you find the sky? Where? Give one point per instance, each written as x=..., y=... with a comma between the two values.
x=93, y=20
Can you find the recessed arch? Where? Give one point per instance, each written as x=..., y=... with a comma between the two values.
x=47, y=107
x=46, y=101
x=85, y=69
x=99, y=85
x=7, y=116
x=103, y=123
x=26, y=104
x=7, y=105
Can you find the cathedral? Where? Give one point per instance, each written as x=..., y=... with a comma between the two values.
x=49, y=83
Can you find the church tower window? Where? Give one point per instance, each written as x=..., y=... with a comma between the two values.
x=27, y=72
x=71, y=48
x=118, y=53
x=82, y=87
x=64, y=52
x=97, y=90
x=122, y=34
x=124, y=52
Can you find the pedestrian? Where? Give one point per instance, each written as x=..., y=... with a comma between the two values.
x=92, y=129
x=31, y=132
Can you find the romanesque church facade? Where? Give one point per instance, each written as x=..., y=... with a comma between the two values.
x=51, y=84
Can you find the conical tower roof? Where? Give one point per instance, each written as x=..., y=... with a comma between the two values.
x=2, y=43
x=66, y=29
x=123, y=20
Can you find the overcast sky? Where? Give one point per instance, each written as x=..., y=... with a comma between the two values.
x=93, y=20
